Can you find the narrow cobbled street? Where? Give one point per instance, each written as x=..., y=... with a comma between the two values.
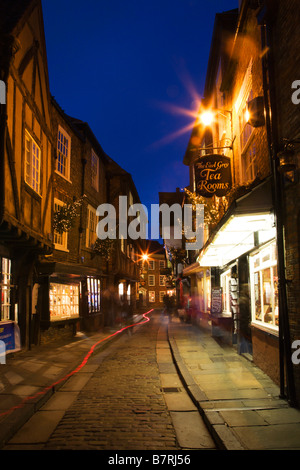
x=123, y=399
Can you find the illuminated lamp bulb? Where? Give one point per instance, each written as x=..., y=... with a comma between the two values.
x=206, y=118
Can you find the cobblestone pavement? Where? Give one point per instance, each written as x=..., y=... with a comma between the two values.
x=121, y=406
x=116, y=402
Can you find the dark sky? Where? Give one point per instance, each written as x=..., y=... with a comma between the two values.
x=126, y=67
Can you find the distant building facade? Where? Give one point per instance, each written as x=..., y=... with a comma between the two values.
x=57, y=275
x=154, y=280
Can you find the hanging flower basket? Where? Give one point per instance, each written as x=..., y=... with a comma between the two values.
x=177, y=255
x=63, y=219
x=104, y=248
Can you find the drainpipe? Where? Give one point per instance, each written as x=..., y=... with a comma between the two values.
x=80, y=242
x=274, y=147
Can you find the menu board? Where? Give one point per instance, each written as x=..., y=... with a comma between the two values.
x=216, y=300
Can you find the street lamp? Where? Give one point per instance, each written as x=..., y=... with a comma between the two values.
x=206, y=118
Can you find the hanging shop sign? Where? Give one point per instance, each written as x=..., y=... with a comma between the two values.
x=213, y=175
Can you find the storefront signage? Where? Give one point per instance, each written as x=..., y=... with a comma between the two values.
x=10, y=335
x=213, y=175
x=216, y=300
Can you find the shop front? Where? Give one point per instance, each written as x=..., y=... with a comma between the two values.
x=68, y=300
x=199, y=296
x=9, y=329
x=242, y=255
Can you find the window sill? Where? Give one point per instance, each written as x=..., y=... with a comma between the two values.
x=32, y=192
x=274, y=331
x=64, y=177
x=61, y=248
x=59, y=321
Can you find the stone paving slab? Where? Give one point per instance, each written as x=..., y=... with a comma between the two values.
x=241, y=405
x=39, y=428
x=191, y=431
x=179, y=401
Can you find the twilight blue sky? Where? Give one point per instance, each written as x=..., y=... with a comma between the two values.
x=123, y=66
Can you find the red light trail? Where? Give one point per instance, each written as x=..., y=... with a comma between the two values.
x=83, y=363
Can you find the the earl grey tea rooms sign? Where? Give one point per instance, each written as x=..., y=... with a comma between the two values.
x=213, y=175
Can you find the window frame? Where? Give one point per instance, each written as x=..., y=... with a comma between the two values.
x=5, y=288
x=152, y=282
x=225, y=284
x=33, y=183
x=91, y=230
x=162, y=264
x=59, y=153
x=95, y=170
x=64, y=236
x=257, y=272
x=151, y=264
x=93, y=294
x=58, y=300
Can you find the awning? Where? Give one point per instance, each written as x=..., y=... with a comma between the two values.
x=191, y=269
x=248, y=223
x=68, y=269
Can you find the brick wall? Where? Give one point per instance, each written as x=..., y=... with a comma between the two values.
x=248, y=49
x=286, y=40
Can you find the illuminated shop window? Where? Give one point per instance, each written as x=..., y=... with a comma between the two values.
x=64, y=301
x=93, y=287
x=5, y=288
x=129, y=294
x=151, y=296
x=225, y=284
x=121, y=289
x=264, y=287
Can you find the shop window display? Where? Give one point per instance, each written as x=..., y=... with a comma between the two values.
x=225, y=284
x=64, y=301
x=5, y=288
x=93, y=286
x=264, y=287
